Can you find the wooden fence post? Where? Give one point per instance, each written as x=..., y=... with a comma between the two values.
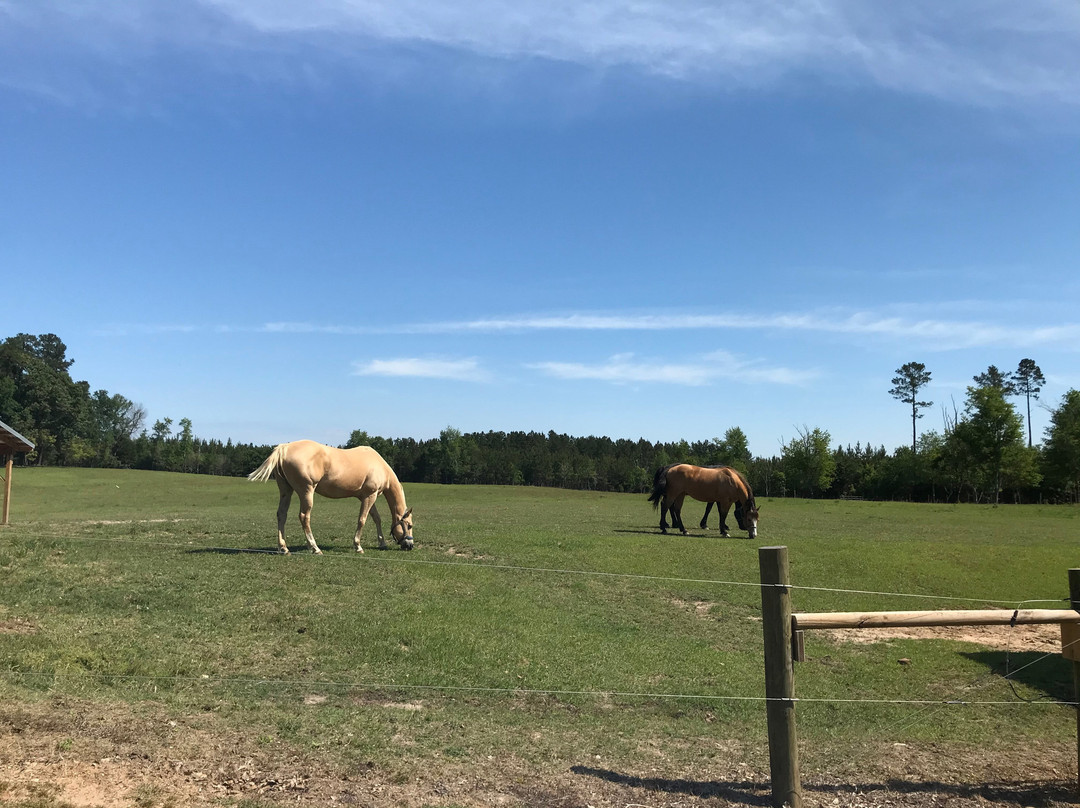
x=8, y=463
x=779, y=677
x=1074, y=603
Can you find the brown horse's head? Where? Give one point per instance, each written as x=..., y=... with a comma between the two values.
x=746, y=514
x=401, y=530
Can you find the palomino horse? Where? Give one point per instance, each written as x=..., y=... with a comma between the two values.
x=722, y=485
x=308, y=468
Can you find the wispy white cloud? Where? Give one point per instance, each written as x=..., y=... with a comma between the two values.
x=936, y=334
x=312, y=328
x=462, y=370
x=986, y=52
x=626, y=369
x=928, y=333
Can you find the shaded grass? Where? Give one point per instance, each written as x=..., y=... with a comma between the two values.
x=541, y=620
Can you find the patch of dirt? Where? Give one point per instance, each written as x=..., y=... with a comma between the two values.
x=1038, y=638
x=701, y=608
x=64, y=754
x=17, y=625
x=456, y=553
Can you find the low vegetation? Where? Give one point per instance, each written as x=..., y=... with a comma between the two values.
x=980, y=457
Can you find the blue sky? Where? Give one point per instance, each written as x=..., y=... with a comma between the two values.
x=650, y=219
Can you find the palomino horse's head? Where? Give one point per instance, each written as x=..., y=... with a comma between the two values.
x=746, y=514
x=401, y=530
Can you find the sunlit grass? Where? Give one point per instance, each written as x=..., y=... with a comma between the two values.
x=538, y=618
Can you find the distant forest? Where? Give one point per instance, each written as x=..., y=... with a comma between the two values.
x=985, y=454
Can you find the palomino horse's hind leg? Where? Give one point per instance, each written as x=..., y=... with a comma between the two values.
x=307, y=499
x=367, y=505
x=285, y=493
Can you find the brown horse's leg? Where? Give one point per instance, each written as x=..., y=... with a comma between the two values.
x=307, y=499
x=663, y=515
x=722, y=507
x=705, y=518
x=676, y=514
x=285, y=493
x=367, y=504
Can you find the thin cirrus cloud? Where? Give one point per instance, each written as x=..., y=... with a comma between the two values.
x=626, y=369
x=974, y=51
x=462, y=370
x=619, y=369
x=931, y=333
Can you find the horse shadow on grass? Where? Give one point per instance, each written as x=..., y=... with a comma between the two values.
x=696, y=533
x=301, y=550
x=753, y=793
x=228, y=551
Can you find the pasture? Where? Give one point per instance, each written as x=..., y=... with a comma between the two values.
x=538, y=647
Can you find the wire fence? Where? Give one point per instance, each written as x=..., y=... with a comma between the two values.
x=364, y=557
x=926, y=704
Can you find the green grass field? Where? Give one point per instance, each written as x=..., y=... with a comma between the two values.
x=553, y=623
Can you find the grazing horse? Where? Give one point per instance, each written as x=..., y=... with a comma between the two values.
x=708, y=505
x=308, y=468
x=722, y=485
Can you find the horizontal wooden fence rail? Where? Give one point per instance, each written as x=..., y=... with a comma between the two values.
x=971, y=617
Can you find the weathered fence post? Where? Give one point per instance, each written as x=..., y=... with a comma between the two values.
x=779, y=676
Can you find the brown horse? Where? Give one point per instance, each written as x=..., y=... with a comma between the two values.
x=720, y=484
x=308, y=468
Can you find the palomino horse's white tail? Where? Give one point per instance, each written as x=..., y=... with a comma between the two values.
x=270, y=465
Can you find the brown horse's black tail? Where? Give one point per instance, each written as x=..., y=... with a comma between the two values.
x=659, y=486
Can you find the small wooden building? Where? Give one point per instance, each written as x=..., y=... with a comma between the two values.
x=10, y=443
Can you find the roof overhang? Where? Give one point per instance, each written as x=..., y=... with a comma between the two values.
x=12, y=441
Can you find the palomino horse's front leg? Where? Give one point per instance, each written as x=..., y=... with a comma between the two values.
x=307, y=499
x=367, y=504
x=378, y=527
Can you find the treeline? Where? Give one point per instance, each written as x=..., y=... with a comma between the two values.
x=981, y=456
